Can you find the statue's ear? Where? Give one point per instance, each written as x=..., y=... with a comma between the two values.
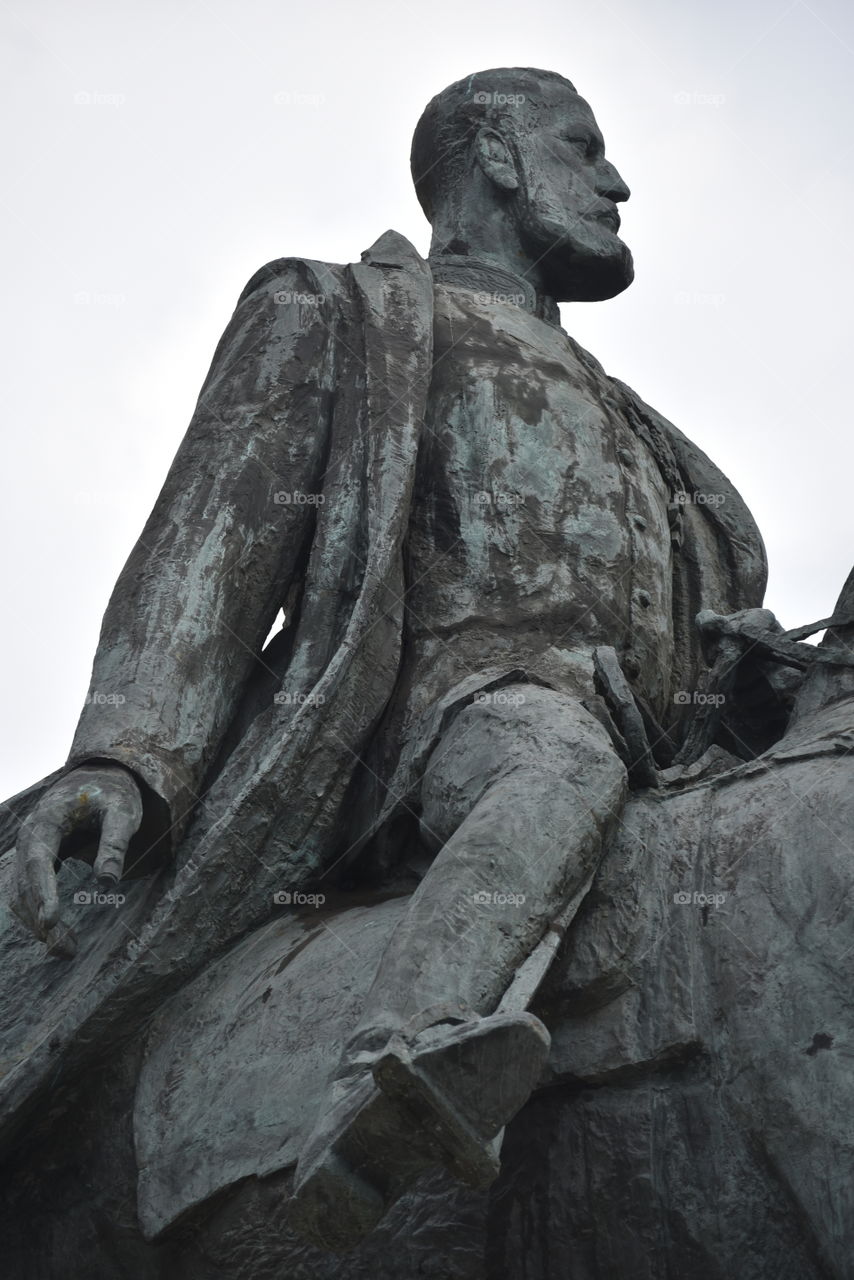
x=496, y=159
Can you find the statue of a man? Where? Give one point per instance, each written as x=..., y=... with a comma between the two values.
x=455, y=506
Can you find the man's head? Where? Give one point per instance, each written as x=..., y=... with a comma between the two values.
x=511, y=162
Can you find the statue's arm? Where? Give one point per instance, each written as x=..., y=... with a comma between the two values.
x=198, y=595
x=200, y=590
x=719, y=559
x=729, y=553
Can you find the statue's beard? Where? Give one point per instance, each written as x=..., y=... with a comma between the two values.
x=579, y=260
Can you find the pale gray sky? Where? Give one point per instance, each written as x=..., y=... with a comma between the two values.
x=157, y=154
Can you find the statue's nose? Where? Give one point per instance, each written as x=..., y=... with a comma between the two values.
x=610, y=184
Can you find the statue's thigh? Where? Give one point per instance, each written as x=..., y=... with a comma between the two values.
x=524, y=733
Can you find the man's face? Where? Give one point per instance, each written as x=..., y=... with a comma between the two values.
x=568, y=219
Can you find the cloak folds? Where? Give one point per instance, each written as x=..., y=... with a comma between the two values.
x=292, y=488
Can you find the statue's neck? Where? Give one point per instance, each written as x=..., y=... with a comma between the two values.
x=492, y=278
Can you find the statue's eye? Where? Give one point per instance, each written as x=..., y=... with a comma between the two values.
x=586, y=146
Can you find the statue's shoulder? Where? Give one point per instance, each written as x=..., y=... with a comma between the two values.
x=310, y=282
x=394, y=250
x=297, y=280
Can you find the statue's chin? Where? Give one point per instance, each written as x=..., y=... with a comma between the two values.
x=588, y=267
x=594, y=277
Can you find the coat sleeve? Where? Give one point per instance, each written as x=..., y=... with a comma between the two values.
x=720, y=561
x=232, y=524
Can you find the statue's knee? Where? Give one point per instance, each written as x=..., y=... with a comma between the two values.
x=520, y=730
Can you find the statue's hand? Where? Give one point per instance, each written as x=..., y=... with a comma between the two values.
x=101, y=799
x=743, y=628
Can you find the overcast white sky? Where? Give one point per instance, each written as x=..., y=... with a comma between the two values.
x=156, y=154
